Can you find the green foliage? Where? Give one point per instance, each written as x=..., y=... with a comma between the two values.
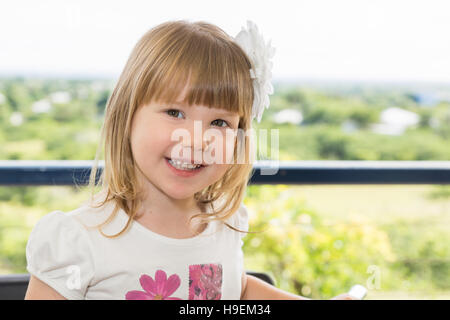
x=440, y=192
x=305, y=254
x=363, y=116
x=314, y=257
x=423, y=253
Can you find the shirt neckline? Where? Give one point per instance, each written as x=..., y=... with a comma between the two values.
x=198, y=239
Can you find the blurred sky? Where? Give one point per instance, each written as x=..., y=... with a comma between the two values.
x=380, y=40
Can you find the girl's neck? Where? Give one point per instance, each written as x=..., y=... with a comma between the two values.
x=154, y=200
x=171, y=219
x=158, y=211
x=172, y=207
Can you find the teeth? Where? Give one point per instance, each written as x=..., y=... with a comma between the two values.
x=183, y=165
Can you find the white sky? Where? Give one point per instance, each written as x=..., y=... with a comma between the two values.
x=384, y=40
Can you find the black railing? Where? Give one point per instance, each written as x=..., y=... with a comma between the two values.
x=70, y=172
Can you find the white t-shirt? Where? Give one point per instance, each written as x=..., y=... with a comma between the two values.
x=80, y=263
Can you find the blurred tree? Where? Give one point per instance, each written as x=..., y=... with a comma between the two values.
x=101, y=102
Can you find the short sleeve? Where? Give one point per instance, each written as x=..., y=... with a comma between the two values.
x=59, y=253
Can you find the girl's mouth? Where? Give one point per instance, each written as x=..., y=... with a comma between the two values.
x=182, y=168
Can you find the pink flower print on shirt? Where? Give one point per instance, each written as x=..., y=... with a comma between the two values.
x=205, y=282
x=159, y=289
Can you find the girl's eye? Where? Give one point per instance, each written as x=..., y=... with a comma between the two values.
x=173, y=113
x=221, y=122
x=176, y=113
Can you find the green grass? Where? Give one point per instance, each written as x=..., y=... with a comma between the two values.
x=381, y=204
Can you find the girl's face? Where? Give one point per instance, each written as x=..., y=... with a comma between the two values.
x=161, y=132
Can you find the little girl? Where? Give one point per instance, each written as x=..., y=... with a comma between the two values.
x=166, y=224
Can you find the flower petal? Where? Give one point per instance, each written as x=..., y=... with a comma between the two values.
x=172, y=284
x=138, y=295
x=160, y=280
x=148, y=284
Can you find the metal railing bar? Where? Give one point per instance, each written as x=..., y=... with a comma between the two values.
x=69, y=172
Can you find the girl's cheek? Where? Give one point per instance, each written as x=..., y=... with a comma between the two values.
x=227, y=143
x=161, y=134
x=220, y=151
x=228, y=149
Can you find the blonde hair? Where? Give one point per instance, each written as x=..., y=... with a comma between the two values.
x=157, y=70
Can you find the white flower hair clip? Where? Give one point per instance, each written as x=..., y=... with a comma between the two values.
x=260, y=53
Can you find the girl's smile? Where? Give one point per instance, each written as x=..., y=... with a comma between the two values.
x=183, y=170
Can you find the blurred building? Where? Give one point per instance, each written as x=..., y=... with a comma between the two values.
x=394, y=121
x=288, y=116
x=41, y=106
x=61, y=97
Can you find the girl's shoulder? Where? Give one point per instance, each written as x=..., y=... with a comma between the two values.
x=60, y=247
x=56, y=224
x=59, y=230
x=58, y=233
x=80, y=220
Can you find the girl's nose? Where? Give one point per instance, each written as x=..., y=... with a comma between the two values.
x=198, y=142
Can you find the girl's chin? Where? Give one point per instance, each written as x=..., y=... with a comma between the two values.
x=183, y=190
x=177, y=195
